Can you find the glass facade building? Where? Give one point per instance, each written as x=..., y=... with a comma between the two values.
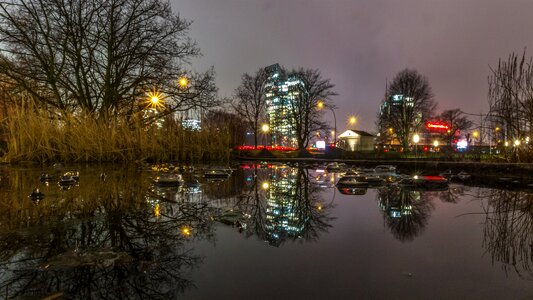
x=281, y=95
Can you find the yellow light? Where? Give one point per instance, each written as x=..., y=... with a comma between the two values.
x=352, y=120
x=265, y=128
x=319, y=207
x=416, y=138
x=155, y=98
x=333, y=132
x=157, y=211
x=391, y=130
x=497, y=129
x=517, y=142
x=475, y=134
x=183, y=81
x=265, y=185
x=186, y=231
x=320, y=105
x=506, y=143
x=436, y=143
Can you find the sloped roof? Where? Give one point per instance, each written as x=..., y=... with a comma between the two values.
x=353, y=132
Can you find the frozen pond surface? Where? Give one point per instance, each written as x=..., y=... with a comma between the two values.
x=266, y=232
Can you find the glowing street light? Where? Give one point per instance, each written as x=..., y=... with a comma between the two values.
x=436, y=143
x=265, y=128
x=183, y=82
x=155, y=99
x=352, y=120
x=416, y=138
x=475, y=134
x=265, y=185
x=320, y=105
x=517, y=143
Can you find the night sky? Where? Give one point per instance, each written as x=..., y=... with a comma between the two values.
x=360, y=45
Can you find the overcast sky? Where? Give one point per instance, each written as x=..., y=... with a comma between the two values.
x=359, y=44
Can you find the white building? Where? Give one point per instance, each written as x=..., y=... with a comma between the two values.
x=356, y=140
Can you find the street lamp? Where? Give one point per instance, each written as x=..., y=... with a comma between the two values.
x=321, y=105
x=352, y=120
x=416, y=139
x=183, y=82
x=265, y=128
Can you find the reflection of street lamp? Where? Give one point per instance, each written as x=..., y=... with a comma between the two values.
x=321, y=105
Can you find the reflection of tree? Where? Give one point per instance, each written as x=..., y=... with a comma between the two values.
x=282, y=204
x=406, y=212
x=508, y=234
x=100, y=239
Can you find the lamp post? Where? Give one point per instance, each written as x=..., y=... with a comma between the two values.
x=416, y=139
x=265, y=128
x=321, y=105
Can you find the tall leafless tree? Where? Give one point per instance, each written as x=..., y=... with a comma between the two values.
x=407, y=105
x=101, y=56
x=457, y=122
x=250, y=101
x=304, y=112
x=511, y=97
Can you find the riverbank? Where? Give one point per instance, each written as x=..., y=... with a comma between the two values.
x=507, y=175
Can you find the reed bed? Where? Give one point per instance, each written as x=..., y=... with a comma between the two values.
x=32, y=135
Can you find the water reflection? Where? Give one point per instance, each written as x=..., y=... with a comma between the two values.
x=279, y=203
x=114, y=239
x=121, y=236
x=406, y=212
x=508, y=233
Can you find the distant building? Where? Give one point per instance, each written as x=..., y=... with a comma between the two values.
x=281, y=91
x=356, y=140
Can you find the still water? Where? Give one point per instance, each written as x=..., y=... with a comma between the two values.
x=266, y=232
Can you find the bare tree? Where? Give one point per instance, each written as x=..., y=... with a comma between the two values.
x=457, y=122
x=101, y=56
x=250, y=101
x=511, y=97
x=407, y=105
x=304, y=111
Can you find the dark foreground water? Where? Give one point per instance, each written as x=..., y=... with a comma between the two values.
x=268, y=232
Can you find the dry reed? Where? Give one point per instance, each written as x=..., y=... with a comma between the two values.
x=32, y=135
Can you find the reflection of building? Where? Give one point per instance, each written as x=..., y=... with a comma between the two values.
x=282, y=217
x=281, y=93
x=356, y=140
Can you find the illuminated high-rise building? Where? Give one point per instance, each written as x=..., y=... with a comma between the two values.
x=281, y=96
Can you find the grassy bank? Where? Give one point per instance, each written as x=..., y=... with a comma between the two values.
x=32, y=135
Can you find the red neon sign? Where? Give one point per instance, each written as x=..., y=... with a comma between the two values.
x=437, y=126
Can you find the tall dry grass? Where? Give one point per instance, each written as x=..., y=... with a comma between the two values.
x=32, y=135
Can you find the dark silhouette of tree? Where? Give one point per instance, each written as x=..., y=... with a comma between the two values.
x=304, y=111
x=457, y=122
x=407, y=105
x=120, y=240
x=220, y=120
x=508, y=230
x=250, y=100
x=405, y=212
x=511, y=100
x=101, y=57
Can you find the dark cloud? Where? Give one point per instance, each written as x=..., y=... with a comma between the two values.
x=359, y=44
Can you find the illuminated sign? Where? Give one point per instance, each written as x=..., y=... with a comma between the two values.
x=321, y=144
x=437, y=126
